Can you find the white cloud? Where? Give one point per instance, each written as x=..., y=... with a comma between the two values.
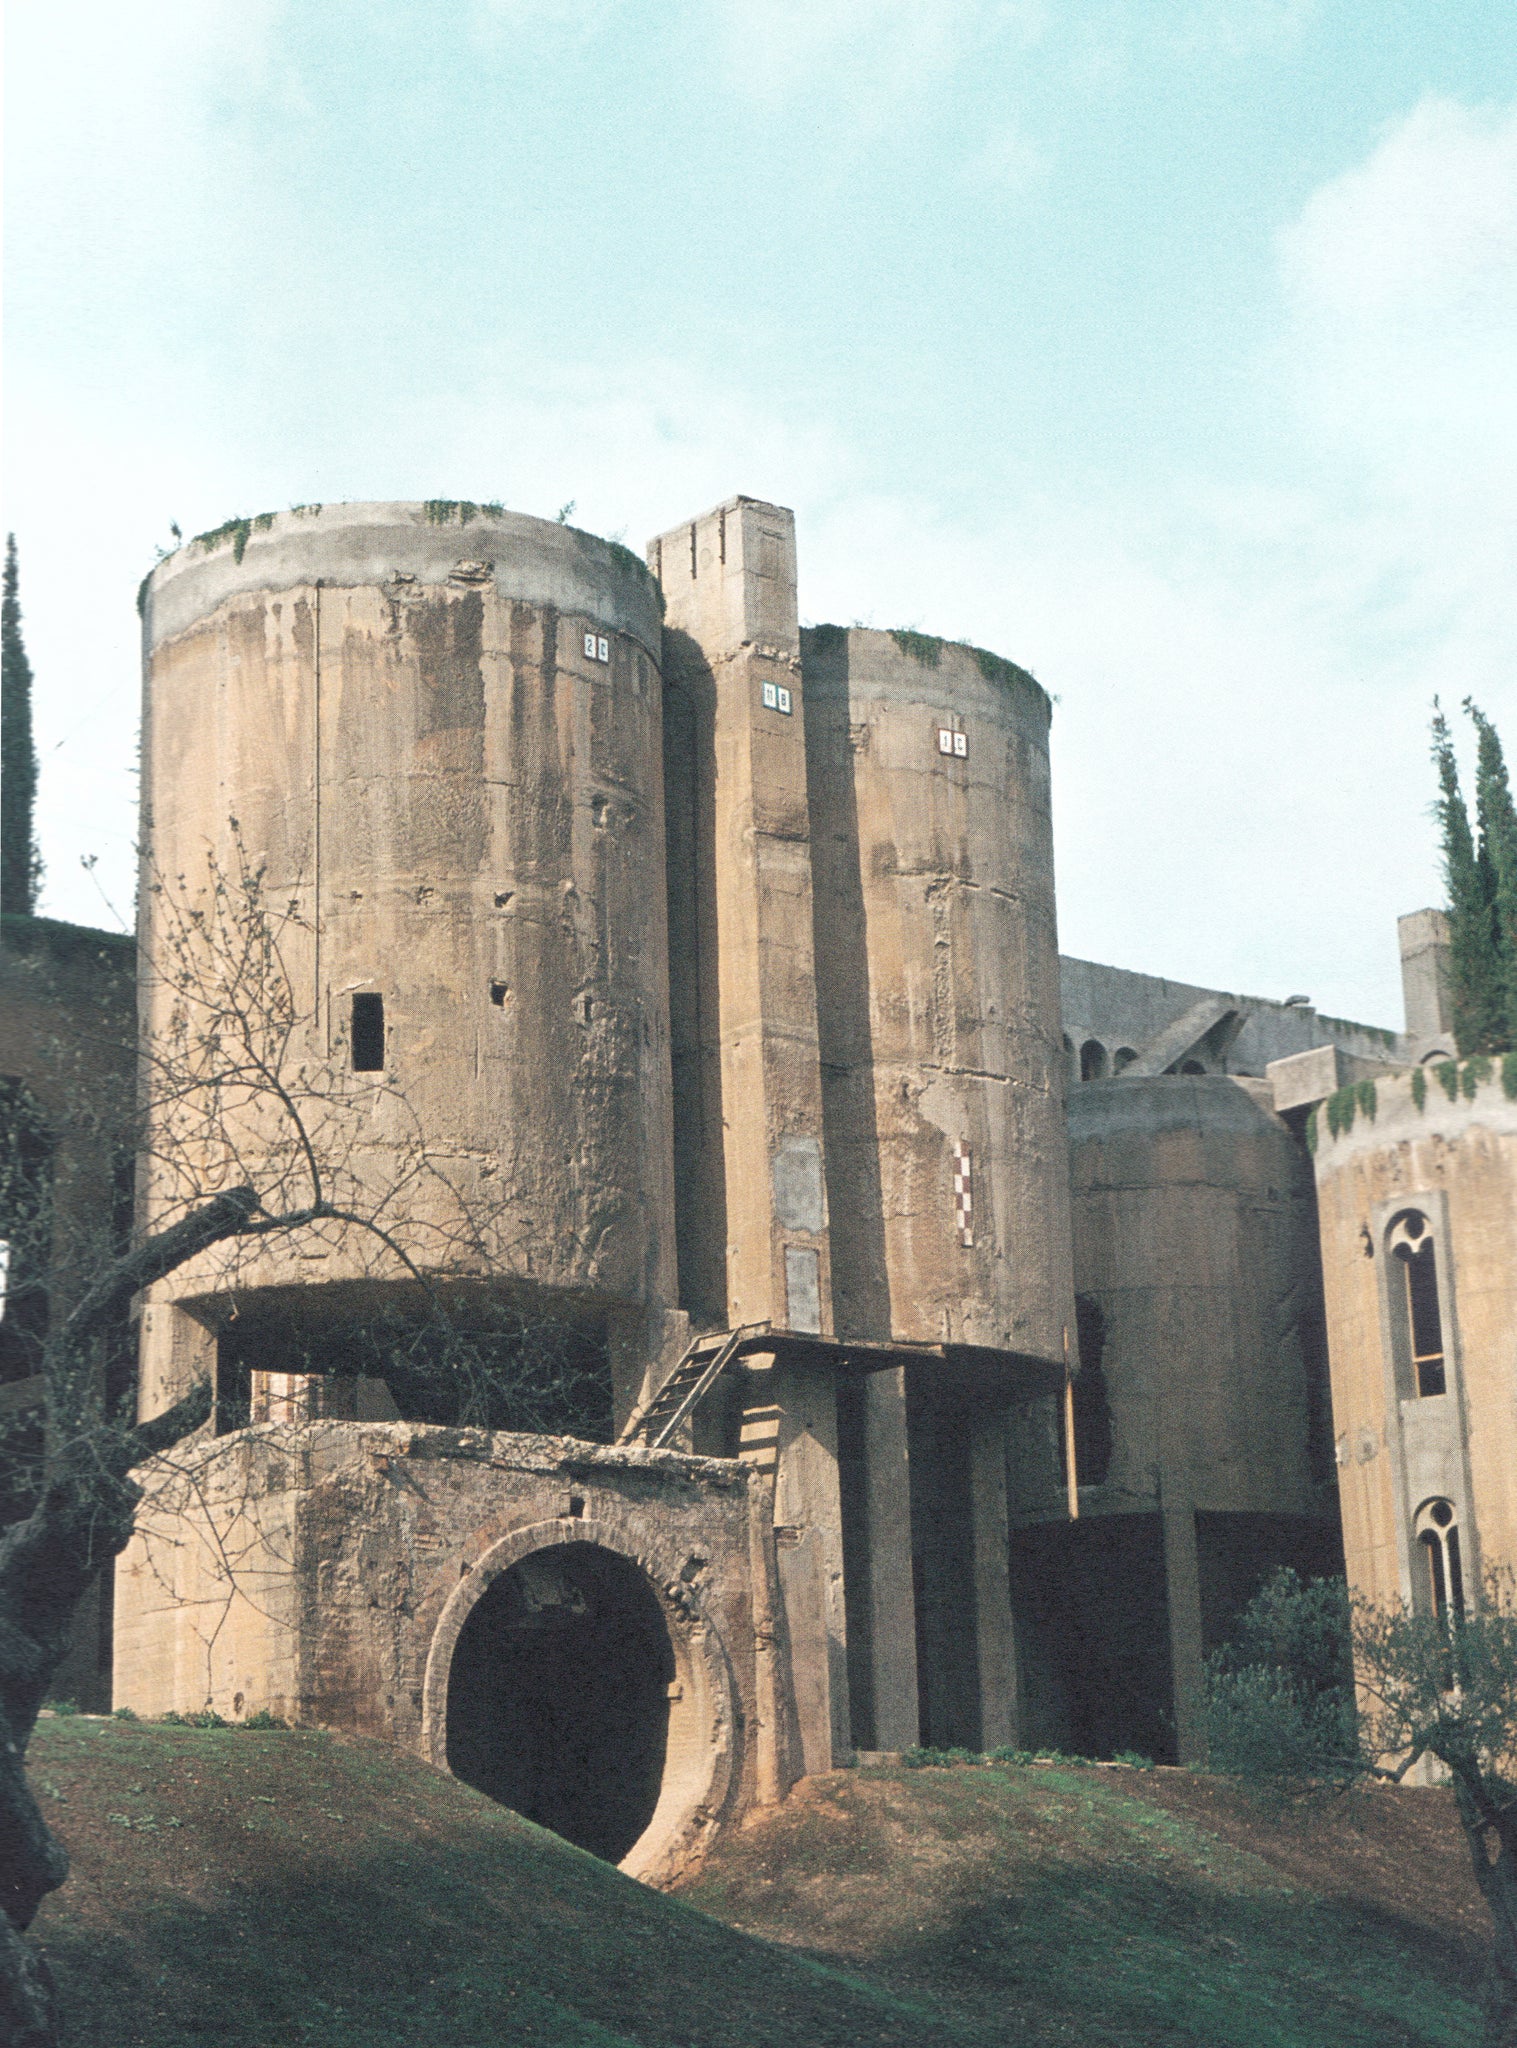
x=638, y=448
x=1235, y=28
x=1008, y=161
x=1426, y=226
x=1244, y=665
x=159, y=75
x=580, y=19
x=866, y=55
x=1401, y=282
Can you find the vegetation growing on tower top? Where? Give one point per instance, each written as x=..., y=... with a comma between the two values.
x=443, y=511
x=926, y=649
x=237, y=531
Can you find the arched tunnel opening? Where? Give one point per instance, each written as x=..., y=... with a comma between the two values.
x=558, y=1696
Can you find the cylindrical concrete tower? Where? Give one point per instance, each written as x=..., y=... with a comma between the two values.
x=937, y=992
x=438, y=730
x=1200, y=1414
x=1193, y=1233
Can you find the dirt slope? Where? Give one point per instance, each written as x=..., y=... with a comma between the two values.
x=1135, y=1907
x=249, y=1888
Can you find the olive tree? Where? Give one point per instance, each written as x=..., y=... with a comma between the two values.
x=1322, y=1688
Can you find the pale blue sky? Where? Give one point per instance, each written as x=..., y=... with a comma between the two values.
x=1170, y=348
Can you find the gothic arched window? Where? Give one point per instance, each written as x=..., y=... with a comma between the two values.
x=1438, y=1539
x=1414, y=1276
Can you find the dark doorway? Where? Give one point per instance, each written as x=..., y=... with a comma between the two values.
x=1093, y=1635
x=558, y=1697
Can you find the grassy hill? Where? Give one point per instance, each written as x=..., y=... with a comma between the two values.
x=250, y=1888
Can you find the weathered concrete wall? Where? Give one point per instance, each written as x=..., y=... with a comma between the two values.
x=1193, y=1233
x=1122, y=1011
x=1195, y=1264
x=937, y=993
x=754, y=1242
x=444, y=743
x=325, y=1574
x=1454, y=1162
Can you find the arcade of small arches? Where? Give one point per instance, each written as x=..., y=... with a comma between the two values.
x=1094, y=1059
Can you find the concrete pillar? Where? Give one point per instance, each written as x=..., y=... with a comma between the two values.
x=1182, y=1579
x=789, y=1430
x=995, y=1638
x=176, y=1354
x=748, y=1112
x=882, y=1647
x=1424, y=937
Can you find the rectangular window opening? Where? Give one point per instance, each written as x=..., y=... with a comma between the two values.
x=367, y=1034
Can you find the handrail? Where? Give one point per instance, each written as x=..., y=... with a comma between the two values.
x=728, y=1346
x=703, y=1385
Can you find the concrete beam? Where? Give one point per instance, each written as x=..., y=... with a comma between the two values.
x=1176, y=1040
x=1308, y=1077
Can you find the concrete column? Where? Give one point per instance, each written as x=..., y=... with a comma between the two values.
x=1182, y=1579
x=756, y=1243
x=995, y=1636
x=883, y=1648
x=1424, y=937
x=789, y=1430
x=175, y=1354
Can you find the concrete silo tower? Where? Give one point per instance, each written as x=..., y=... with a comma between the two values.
x=1200, y=1414
x=868, y=1109
x=938, y=1008
x=437, y=728
x=937, y=991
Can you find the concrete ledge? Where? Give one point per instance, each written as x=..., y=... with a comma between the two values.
x=1307, y=1077
x=535, y=561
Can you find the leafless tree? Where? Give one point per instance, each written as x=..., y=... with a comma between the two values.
x=245, y=1132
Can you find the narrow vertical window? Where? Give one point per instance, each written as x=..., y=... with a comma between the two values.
x=1411, y=1246
x=1438, y=1539
x=367, y=1034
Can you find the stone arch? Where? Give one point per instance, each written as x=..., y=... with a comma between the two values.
x=1094, y=1065
x=699, y=1737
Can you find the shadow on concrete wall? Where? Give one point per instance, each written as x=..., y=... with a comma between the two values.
x=694, y=989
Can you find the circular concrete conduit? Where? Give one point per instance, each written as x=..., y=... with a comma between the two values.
x=577, y=1685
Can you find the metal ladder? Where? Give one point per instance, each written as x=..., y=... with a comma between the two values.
x=686, y=1387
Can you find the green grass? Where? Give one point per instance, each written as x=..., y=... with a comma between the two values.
x=259, y=1887
x=1095, y=1916
x=249, y=1889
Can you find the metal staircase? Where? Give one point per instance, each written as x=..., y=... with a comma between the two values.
x=687, y=1386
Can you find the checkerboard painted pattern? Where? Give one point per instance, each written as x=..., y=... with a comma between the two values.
x=963, y=1192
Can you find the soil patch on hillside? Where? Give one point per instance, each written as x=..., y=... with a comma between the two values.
x=1123, y=1907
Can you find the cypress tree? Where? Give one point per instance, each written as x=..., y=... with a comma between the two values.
x=1475, y=978
x=1497, y=821
x=20, y=868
